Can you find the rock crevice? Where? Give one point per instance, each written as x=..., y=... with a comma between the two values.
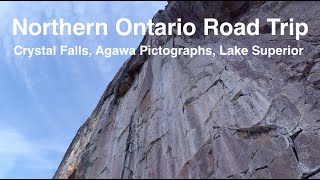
x=209, y=117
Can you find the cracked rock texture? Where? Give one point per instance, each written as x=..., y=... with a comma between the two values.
x=209, y=117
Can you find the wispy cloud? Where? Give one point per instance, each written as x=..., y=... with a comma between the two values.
x=16, y=148
x=56, y=89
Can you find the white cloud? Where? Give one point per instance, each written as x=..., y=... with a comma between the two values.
x=16, y=148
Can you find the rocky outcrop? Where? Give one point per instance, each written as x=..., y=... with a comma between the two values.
x=209, y=117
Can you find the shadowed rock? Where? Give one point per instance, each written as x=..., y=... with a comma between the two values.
x=209, y=117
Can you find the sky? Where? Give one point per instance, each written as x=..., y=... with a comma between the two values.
x=44, y=100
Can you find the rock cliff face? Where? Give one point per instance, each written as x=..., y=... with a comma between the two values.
x=209, y=117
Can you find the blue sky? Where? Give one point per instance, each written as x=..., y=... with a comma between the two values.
x=44, y=100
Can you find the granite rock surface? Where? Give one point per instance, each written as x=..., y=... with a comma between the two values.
x=209, y=117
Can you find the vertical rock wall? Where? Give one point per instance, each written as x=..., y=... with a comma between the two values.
x=209, y=117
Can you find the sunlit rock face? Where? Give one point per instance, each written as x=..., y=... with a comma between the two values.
x=209, y=117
